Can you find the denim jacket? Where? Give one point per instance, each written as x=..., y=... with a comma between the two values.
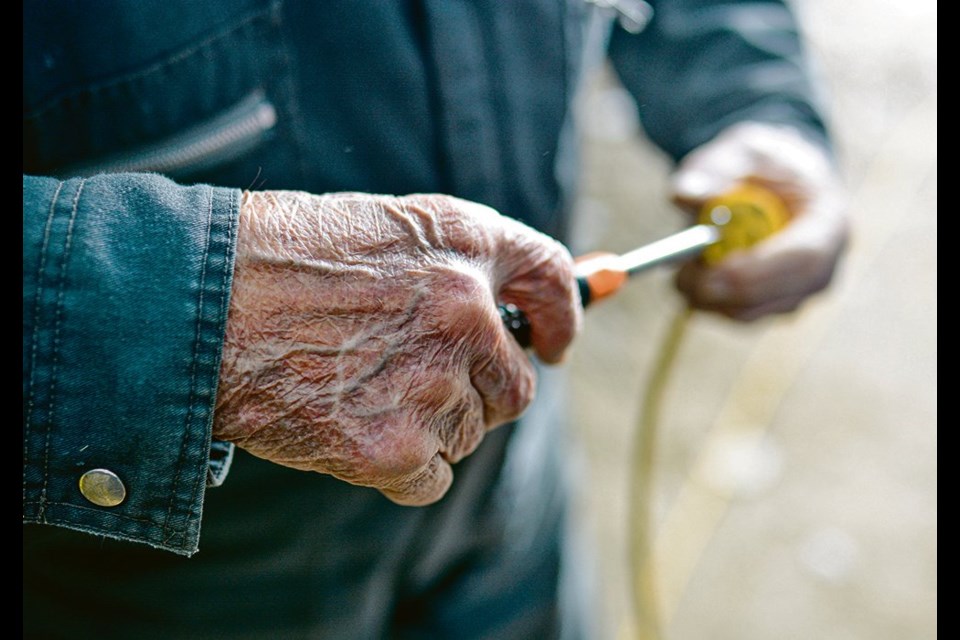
x=142, y=123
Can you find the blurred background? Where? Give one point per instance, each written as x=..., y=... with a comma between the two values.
x=795, y=476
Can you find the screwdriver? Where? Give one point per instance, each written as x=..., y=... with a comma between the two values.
x=732, y=221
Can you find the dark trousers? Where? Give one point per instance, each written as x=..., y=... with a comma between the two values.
x=289, y=554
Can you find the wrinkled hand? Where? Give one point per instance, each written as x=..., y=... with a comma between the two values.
x=781, y=272
x=364, y=340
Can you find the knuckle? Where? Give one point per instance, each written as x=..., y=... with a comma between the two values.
x=522, y=391
x=426, y=487
x=461, y=430
x=463, y=303
x=400, y=450
x=513, y=396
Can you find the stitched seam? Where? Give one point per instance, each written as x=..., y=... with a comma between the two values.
x=232, y=225
x=100, y=512
x=193, y=364
x=68, y=242
x=52, y=103
x=34, y=340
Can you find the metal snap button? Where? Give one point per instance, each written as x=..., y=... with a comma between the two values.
x=102, y=487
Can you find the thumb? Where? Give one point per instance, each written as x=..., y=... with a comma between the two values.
x=706, y=174
x=698, y=183
x=710, y=170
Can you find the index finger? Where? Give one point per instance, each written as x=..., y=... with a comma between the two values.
x=535, y=273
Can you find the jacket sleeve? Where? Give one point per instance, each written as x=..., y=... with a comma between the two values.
x=126, y=282
x=700, y=66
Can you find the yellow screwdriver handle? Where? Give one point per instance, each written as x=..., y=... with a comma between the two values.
x=745, y=215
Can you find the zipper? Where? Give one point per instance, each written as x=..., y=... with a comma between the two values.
x=222, y=138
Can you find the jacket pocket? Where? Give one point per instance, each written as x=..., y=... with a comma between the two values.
x=174, y=88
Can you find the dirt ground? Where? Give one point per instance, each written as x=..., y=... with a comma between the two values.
x=796, y=471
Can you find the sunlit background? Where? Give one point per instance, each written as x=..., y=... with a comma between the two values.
x=796, y=469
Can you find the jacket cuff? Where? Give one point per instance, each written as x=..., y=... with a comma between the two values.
x=126, y=289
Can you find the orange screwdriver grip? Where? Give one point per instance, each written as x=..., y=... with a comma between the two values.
x=601, y=277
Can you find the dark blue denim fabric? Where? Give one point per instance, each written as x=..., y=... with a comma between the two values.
x=126, y=281
x=701, y=66
x=126, y=278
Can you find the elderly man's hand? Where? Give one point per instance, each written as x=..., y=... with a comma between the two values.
x=778, y=274
x=364, y=340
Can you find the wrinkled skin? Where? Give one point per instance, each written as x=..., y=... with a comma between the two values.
x=778, y=274
x=363, y=337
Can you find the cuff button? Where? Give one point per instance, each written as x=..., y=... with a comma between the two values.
x=102, y=487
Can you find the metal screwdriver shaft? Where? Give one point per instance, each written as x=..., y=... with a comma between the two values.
x=733, y=221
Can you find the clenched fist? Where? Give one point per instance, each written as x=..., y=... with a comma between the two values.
x=780, y=273
x=363, y=337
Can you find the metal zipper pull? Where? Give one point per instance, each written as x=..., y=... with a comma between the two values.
x=633, y=15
